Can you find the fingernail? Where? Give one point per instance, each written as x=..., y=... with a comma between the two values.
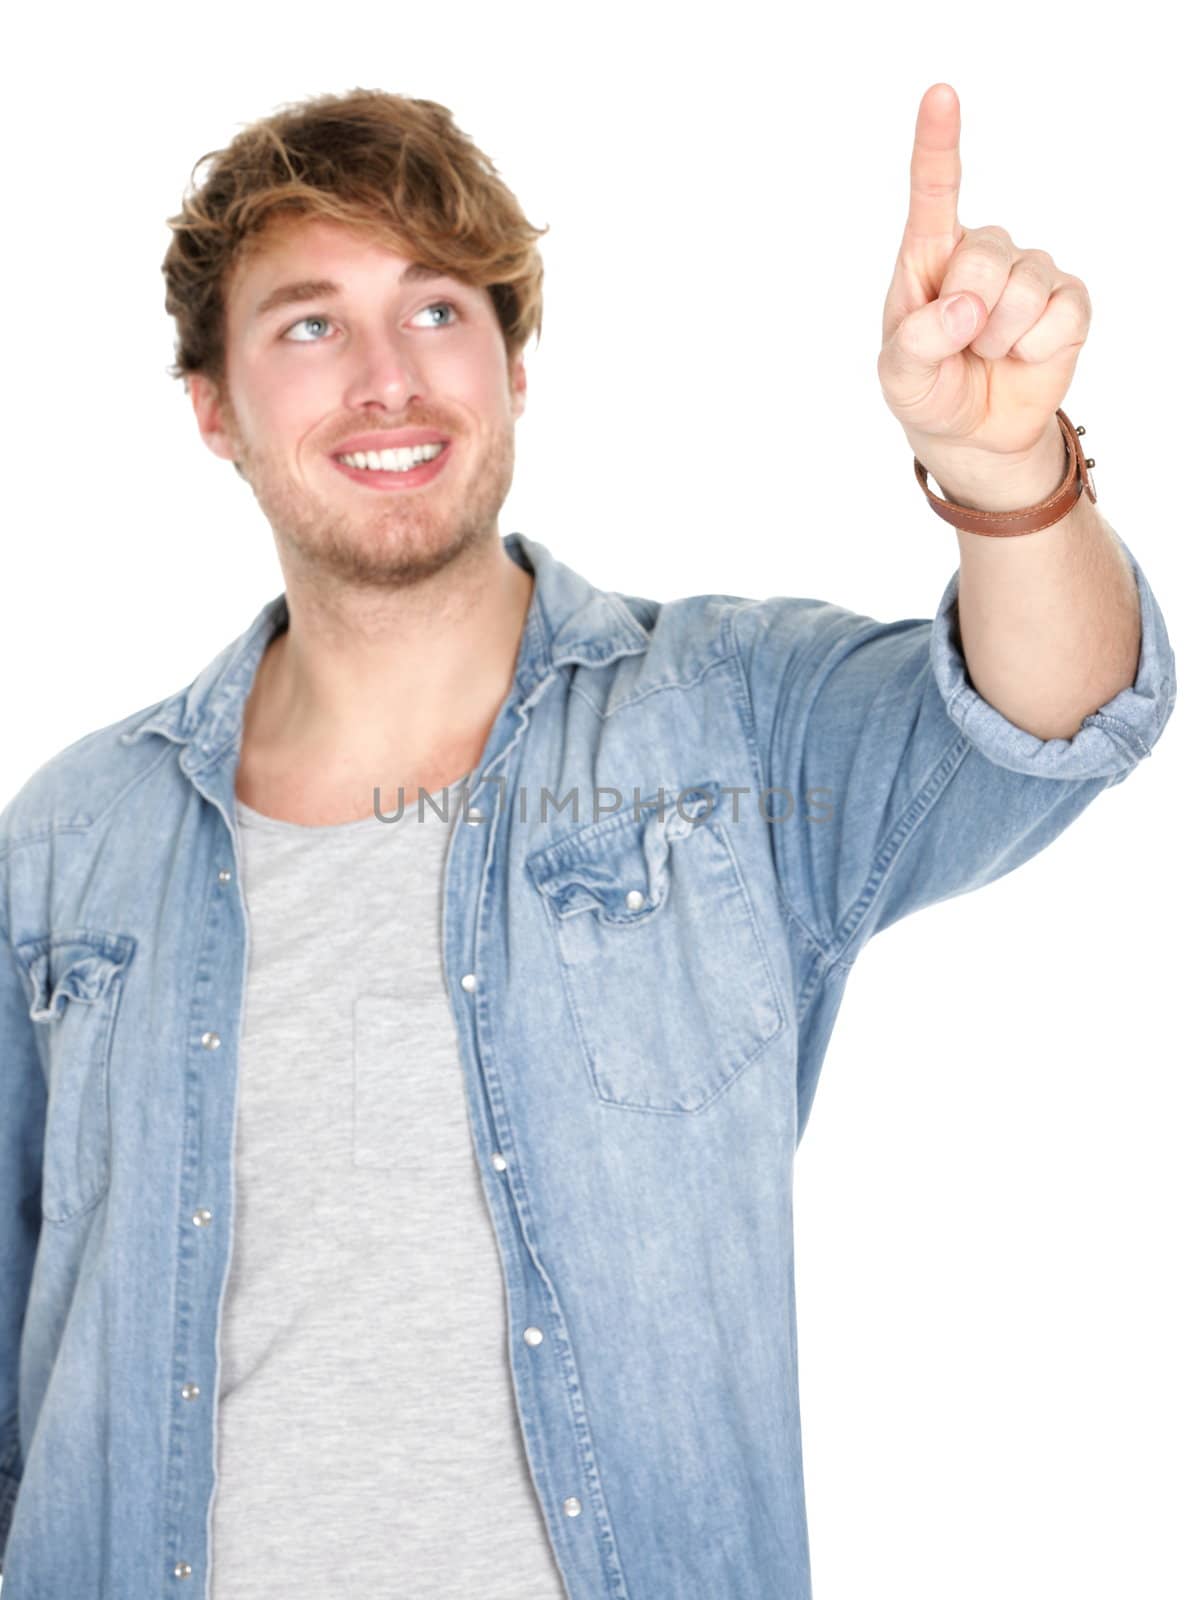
x=958, y=315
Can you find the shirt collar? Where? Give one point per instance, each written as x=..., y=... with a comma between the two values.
x=569, y=620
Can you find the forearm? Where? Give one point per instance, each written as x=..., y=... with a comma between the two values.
x=1049, y=621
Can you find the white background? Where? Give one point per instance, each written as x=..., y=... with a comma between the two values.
x=996, y=1197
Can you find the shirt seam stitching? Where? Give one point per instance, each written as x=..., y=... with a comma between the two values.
x=914, y=813
x=603, y=714
x=750, y=732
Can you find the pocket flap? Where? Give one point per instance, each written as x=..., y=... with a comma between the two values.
x=78, y=967
x=618, y=866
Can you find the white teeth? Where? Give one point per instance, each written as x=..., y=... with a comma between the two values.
x=391, y=460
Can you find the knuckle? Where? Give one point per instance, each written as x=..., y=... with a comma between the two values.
x=1030, y=280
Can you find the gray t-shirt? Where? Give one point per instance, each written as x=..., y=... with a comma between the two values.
x=368, y=1441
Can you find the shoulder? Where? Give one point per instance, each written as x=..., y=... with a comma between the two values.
x=81, y=781
x=704, y=626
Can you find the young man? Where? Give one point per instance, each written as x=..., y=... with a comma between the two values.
x=399, y=1201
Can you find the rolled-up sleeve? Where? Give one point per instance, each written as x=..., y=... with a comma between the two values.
x=908, y=786
x=1110, y=742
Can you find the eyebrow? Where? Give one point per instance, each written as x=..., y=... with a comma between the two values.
x=317, y=288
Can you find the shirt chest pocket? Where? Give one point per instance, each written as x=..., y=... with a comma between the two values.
x=75, y=980
x=667, y=978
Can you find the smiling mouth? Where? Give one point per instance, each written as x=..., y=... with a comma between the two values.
x=387, y=469
x=394, y=460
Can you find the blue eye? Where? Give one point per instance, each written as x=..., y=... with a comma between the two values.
x=305, y=322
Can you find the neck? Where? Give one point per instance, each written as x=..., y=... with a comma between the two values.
x=412, y=677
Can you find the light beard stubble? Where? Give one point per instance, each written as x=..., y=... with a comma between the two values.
x=407, y=537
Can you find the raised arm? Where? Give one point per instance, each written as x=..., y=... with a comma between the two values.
x=980, y=340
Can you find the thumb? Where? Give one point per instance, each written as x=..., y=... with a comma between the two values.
x=925, y=338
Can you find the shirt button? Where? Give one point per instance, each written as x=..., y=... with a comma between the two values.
x=189, y=1391
x=533, y=1336
x=182, y=1570
x=202, y=1218
x=635, y=899
x=211, y=1041
x=224, y=875
x=468, y=982
x=474, y=817
x=572, y=1507
x=499, y=1163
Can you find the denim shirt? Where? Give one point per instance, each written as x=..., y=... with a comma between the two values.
x=643, y=979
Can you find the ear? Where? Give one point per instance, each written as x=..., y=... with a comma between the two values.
x=517, y=382
x=212, y=416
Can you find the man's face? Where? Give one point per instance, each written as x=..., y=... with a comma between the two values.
x=307, y=379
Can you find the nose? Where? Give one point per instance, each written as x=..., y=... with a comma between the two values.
x=385, y=372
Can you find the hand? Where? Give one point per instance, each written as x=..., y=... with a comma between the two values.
x=977, y=401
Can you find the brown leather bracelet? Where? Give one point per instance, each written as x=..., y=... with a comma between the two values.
x=1048, y=511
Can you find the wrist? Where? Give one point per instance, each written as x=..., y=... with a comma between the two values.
x=981, y=483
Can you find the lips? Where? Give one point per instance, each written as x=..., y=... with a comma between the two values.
x=391, y=439
x=382, y=480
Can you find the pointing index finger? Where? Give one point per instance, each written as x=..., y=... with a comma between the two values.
x=936, y=170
